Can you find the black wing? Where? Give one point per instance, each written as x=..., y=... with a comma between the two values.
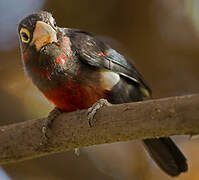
x=96, y=53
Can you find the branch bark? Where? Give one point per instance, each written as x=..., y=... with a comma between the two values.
x=147, y=119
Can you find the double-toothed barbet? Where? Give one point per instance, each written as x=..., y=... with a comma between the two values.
x=74, y=70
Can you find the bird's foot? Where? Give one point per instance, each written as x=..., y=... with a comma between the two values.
x=93, y=110
x=48, y=122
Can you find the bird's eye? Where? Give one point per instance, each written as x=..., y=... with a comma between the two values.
x=25, y=35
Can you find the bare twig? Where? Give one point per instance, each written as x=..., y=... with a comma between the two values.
x=148, y=119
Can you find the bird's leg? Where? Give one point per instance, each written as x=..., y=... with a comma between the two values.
x=47, y=125
x=48, y=121
x=93, y=110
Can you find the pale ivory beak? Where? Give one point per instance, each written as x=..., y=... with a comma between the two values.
x=43, y=34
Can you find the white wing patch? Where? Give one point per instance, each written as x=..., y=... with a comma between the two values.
x=109, y=79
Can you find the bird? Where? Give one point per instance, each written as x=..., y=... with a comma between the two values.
x=75, y=69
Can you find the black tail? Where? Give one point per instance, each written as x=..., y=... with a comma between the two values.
x=167, y=155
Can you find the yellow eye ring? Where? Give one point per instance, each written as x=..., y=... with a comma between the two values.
x=25, y=35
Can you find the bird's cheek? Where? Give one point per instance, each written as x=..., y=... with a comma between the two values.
x=24, y=53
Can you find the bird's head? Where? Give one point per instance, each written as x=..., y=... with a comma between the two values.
x=37, y=30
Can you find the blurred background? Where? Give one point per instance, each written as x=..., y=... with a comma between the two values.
x=161, y=37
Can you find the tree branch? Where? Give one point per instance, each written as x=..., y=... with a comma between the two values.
x=148, y=119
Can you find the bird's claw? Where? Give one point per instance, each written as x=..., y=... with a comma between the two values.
x=48, y=121
x=44, y=132
x=77, y=151
x=93, y=110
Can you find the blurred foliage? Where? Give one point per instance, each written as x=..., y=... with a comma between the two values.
x=162, y=37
